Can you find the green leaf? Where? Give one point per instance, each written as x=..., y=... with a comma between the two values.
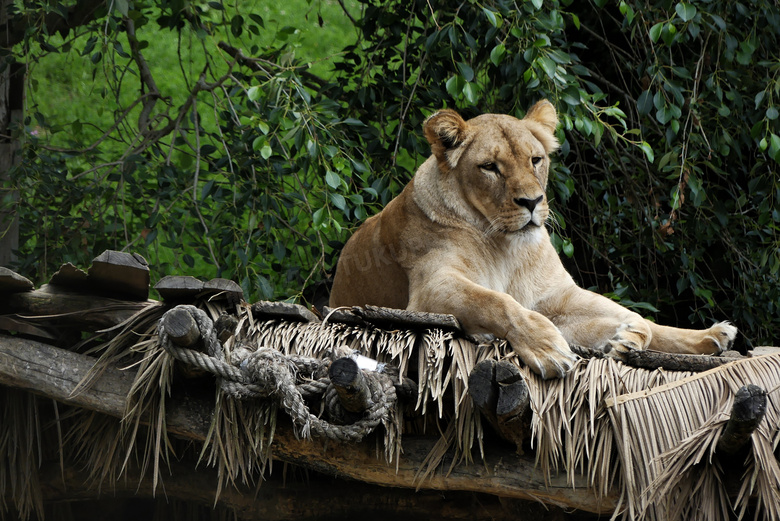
x=774, y=146
x=338, y=201
x=121, y=7
x=466, y=71
x=537, y=4
x=685, y=11
x=333, y=179
x=319, y=217
x=497, y=54
x=253, y=93
x=266, y=151
x=771, y=113
x=648, y=150
x=471, y=91
x=644, y=104
x=279, y=250
x=568, y=248
x=548, y=66
x=455, y=86
x=655, y=31
x=491, y=16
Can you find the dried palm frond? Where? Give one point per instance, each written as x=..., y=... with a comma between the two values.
x=20, y=453
x=648, y=434
x=667, y=436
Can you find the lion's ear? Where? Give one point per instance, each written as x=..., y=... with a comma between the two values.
x=445, y=131
x=544, y=115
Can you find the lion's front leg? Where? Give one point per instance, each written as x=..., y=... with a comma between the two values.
x=591, y=320
x=720, y=337
x=535, y=339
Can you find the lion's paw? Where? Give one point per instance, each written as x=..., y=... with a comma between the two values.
x=552, y=358
x=628, y=337
x=719, y=338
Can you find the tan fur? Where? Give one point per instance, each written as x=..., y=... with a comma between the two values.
x=467, y=236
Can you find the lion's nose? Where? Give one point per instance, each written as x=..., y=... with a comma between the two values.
x=530, y=204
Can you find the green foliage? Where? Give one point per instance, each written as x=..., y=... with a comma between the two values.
x=666, y=191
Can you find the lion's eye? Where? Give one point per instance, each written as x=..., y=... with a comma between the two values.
x=536, y=160
x=490, y=167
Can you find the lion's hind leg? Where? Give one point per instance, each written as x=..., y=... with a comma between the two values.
x=720, y=337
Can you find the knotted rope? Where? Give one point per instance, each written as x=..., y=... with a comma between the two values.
x=267, y=373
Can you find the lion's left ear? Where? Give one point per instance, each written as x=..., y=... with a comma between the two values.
x=446, y=131
x=543, y=115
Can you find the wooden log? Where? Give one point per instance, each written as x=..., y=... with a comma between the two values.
x=342, y=316
x=56, y=306
x=747, y=411
x=120, y=273
x=69, y=276
x=225, y=288
x=408, y=319
x=277, y=499
x=12, y=282
x=181, y=327
x=347, y=378
x=225, y=326
x=265, y=310
x=55, y=373
x=649, y=359
x=501, y=395
x=179, y=288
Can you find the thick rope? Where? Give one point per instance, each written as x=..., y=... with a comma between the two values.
x=268, y=373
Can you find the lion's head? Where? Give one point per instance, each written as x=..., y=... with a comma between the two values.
x=497, y=164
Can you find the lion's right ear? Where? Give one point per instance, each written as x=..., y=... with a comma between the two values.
x=446, y=132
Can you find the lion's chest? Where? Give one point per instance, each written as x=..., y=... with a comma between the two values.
x=524, y=270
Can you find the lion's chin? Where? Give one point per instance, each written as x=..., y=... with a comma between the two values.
x=529, y=227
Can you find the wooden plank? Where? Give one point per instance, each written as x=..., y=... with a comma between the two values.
x=284, y=310
x=227, y=288
x=407, y=319
x=342, y=316
x=57, y=306
x=12, y=282
x=122, y=273
x=69, y=276
x=279, y=499
x=54, y=373
x=179, y=288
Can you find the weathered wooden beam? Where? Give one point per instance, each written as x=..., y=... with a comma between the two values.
x=60, y=307
x=501, y=395
x=649, y=359
x=265, y=310
x=12, y=282
x=120, y=272
x=408, y=319
x=278, y=499
x=56, y=373
x=747, y=411
x=347, y=378
x=181, y=327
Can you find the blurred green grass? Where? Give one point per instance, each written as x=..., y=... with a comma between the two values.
x=75, y=96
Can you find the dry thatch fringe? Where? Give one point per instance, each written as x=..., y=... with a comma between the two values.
x=667, y=437
x=20, y=453
x=571, y=425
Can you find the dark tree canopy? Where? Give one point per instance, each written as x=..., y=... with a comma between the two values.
x=256, y=164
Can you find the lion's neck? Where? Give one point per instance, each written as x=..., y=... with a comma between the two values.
x=440, y=198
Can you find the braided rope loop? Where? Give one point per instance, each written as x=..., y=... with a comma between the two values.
x=266, y=373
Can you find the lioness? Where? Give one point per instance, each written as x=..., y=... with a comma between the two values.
x=467, y=237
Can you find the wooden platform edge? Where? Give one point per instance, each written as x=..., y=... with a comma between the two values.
x=55, y=373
